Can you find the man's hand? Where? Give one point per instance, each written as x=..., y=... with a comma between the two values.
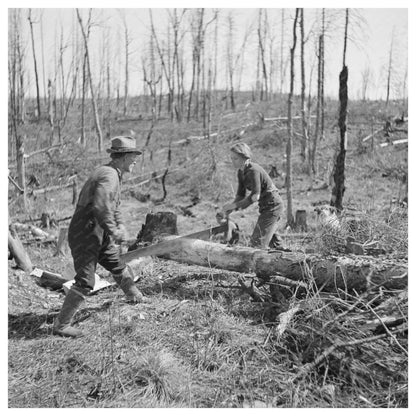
x=120, y=234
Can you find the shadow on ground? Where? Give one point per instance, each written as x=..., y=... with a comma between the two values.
x=32, y=326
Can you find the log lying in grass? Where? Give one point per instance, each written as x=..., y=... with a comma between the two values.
x=345, y=273
x=166, y=246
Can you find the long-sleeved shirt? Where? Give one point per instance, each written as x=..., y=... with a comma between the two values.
x=100, y=198
x=254, y=179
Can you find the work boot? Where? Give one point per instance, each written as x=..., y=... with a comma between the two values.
x=127, y=285
x=62, y=325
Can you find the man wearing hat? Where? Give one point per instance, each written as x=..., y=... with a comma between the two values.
x=95, y=230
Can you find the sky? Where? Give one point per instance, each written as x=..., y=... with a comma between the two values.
x=368, y=47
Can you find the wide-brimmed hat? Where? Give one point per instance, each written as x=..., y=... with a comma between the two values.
x=123, y=144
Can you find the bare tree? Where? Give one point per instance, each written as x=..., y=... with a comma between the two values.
x=215, y=70
x=389, y=69
x=178, y=35
x=261, y=36
x=365, y=81
x=197, y=44
x=16, y=96
x=404, y=87
x=165, y=67
x=85, y=34
x=233, y=59
x=35, y=66
x=313, y=143
x=304, y=142
x=290, y=219
x=282, y=42
x=51, y=112
x=198, y=31
x=230, y=58
x=322, y=94
x=43, y=57
x=127, y=41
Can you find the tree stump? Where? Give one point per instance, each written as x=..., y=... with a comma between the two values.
x=156, y=225
x=300, y=220
x=18, y=252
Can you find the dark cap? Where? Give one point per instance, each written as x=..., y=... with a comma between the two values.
x=241, y=149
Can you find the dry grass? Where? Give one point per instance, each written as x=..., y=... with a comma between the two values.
x=202, y=342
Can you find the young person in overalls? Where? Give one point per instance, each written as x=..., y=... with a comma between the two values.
x=255, y=185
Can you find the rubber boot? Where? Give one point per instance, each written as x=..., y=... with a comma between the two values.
x=127, y=285
x=62, y=325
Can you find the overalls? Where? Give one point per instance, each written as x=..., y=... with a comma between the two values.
x=253, y=178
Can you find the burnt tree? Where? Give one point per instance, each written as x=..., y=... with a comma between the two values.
x=339, y=171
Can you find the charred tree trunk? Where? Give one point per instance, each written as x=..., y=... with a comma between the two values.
x=339, y=175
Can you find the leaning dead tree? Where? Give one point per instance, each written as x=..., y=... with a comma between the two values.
x=339, y=170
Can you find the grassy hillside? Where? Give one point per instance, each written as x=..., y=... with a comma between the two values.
x=202, y=341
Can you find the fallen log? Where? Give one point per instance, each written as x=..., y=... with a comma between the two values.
x=51, y=188
x=16, y=185
x=328, y=273
x=372, y=134
x=166, y=246
x=284, y=118
x=394, y=142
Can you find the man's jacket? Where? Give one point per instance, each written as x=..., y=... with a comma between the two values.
x=99, y=201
